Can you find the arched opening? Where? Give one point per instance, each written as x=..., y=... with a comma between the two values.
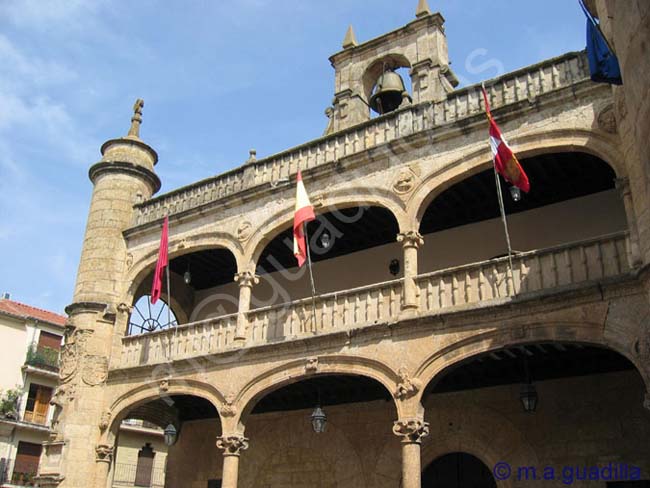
x=144, y=454
x=359, y=413
x=457, y=470
x=349, y=247
x=201, y=286
x=529, y=402
x=374, y=81
x=572, y=198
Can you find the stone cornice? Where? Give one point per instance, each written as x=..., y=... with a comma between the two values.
x=124, y=167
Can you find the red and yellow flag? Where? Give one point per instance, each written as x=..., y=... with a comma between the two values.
x=156, y=287
x=304, y=213
x=505, y=161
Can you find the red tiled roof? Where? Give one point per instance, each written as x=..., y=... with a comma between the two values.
x=21, y=310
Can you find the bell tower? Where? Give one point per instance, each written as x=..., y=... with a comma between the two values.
x=365, y=77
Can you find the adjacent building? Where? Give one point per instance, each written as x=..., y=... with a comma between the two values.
x=422, y=355
x=32, y=340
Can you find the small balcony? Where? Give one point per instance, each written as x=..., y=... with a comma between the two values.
x=43, y=358
x=486, y=283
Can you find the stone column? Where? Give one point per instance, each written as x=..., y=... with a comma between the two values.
x=232, y=446
x=246, y=281
x=411, y=241
x=411, y=431
x=104, y=458
x=623, y=187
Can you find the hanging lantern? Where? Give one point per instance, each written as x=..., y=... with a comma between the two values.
x=170, y=434
x=515, y=193
x=529, y=397
x=318, y=420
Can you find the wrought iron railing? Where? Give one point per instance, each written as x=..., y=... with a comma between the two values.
x=488, y=282
x=125, y=475
x=43, y=358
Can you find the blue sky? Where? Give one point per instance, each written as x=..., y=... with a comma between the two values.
x=218, y=78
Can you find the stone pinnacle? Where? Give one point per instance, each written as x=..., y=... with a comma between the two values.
x=350, y=40
x=423, y=9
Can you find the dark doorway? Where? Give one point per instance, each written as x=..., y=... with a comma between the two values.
x=457, y=470
x=214, y=484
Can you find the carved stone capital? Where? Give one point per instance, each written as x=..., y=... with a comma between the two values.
x=246, y=278
x=232, y=445
x=407, y=386
x=411, y=238
x=411, y=430
x=104, y=453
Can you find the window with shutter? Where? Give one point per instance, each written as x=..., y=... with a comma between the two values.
x=26, y=464
x=51, y=341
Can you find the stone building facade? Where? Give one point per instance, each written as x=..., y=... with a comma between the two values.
x=422, y=342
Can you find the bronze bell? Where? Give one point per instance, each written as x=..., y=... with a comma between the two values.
x=388, y=93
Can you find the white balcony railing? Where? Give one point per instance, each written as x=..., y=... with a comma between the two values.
x=485, y=283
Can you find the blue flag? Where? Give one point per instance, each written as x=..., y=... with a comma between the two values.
x=603, y=63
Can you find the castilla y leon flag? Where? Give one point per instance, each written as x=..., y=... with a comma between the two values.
x=505, y=161
x=304, y=213
x=156, y=287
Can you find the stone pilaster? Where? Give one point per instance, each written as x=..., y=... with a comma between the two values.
x=623, y=187
x=246, y=281
x=411, y=241
x=411, y=432
x=232, y=446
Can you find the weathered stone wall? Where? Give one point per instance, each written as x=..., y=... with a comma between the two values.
x=582, y=421
x=626, y=24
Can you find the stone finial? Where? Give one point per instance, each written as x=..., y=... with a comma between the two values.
x=423, y=9
x=252, y=156
x=350, y=39
x=136, y=120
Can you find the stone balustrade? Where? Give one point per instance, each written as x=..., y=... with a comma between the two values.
x=534, y=271
x=524, y=85
x=485, y=283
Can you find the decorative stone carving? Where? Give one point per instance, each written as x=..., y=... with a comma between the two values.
x=163, y=386
x=232, y=445
x=411, y=430
x=404, y=182
x=311, y=365
x=105, y=420
x=406, y=387
x=244, y=231
x=182, y=244
x=246, y=278
x=229, y=409
x=411, y=238
x=129, y=260
x=607, y=120
x=95, y=370
x=123, y=308
x=74, y=345
x=104, y=453
x=63, y=395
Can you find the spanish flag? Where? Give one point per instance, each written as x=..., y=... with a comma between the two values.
x=304, y=213
x=505, y=161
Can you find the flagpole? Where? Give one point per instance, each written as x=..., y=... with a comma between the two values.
x=311, y=276
x=505, y=227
